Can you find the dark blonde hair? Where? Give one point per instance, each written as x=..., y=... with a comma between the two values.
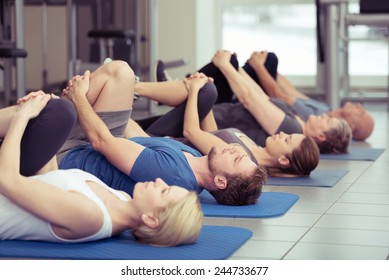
x=179, y=223
x=337, y=139
x=242, y=190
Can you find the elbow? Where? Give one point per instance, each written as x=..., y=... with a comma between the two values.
x=103, y=142
x=191, y=133
x=4, y=179
x=8, y=180
x=187, y=133
x=97, y=143
x=245, y=98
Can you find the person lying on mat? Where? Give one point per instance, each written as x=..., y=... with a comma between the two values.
x=256, y=115
x=283, y=154
x=230, y=177
x=262, y=68
x=69, y=206
x=277, y=86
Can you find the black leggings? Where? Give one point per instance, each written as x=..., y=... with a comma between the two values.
x=172, y=123
x=225, y=93
x=45, y=134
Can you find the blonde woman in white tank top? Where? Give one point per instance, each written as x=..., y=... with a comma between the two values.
x=74, y=206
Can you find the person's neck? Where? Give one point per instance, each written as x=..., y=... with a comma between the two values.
x=124, y=216
x=304, y=129
x=203, y=174
x=263, y=158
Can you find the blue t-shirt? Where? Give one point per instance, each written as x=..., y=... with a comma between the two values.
x=307, y=107
x=162, y=158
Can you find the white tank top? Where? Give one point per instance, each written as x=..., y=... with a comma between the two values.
x=16, y=223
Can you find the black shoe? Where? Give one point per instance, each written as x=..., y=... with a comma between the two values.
x=160, y=74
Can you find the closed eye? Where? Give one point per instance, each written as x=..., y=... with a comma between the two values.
x=238, y=158
x=166, y=191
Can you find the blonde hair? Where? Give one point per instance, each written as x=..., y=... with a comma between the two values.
x=179, y=223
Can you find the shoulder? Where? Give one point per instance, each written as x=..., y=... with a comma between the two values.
x=126, y=195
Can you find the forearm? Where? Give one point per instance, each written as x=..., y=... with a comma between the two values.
x=11, y=181
x=10, y=149
x=288, y=88
x=209, y=123
x=267, y=114
x=191, y=116
x=202, y=140
x=270, y=85
x=255, y=87
x=93, y=127
x=6, y=115
x=237, y=83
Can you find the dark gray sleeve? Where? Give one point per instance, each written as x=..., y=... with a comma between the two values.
x=290, y=125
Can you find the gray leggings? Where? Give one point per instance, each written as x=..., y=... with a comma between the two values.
x=172, y=123
x=45, y=134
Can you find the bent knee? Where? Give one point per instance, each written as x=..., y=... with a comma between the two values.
x=120, y=68
x=208, y=93
x=61, y=111
x=272, y=58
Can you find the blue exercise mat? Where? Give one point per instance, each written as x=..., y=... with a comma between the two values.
x=214, y=243
x=270, y=204
x=356, y=153
x=318, y=178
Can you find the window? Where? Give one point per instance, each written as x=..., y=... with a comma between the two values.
x=289, y=30
x=368, y=49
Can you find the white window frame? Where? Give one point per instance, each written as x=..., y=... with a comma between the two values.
x=306, y=81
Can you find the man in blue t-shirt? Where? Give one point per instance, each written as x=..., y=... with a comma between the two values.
x=161, y=158
x=226, y=172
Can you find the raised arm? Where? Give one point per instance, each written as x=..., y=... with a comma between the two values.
x=268, y=115
x=288, y=88
x=202, y=140
x=272, y=88
x=120, y=152
x=209, y=122
x=5, y=119
x=70, y=213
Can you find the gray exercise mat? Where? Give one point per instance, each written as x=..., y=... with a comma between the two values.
x=356, y=153
x=318, y=178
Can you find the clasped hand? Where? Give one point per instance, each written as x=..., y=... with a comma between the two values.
x=78, y=85
x=33, y=105
x=196, y=80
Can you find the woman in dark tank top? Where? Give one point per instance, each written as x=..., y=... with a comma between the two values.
x=193, y=122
